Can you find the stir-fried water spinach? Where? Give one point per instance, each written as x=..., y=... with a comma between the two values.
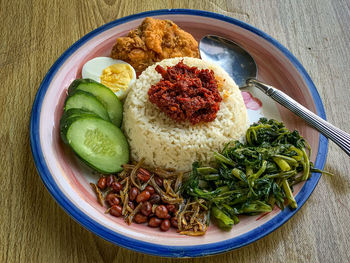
x=253, y=177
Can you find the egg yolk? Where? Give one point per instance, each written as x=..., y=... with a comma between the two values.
x=117, y=77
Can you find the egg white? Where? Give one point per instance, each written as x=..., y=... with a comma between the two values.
x=93, y=70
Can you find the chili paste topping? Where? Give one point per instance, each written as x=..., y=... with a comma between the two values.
x=186, y=93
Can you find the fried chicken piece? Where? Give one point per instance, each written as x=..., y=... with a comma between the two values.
x=153, y=41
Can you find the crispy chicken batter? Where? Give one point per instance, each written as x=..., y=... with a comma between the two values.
x=153, y=41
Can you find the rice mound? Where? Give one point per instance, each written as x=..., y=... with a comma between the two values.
x=164, y=143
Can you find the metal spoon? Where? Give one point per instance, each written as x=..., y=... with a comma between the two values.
x=241, y=66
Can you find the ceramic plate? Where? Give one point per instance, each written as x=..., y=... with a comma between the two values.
x=68, y=180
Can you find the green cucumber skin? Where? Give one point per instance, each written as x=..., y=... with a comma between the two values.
x=76, y=138
x=103, y=94
x=75, y=112
x=86, y=101
x=69, y=117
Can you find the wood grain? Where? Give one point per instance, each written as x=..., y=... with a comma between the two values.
x=34, y=33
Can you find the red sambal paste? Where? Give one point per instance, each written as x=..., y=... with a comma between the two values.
x=186, y=93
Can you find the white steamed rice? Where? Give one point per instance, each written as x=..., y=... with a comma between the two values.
x=164, y=143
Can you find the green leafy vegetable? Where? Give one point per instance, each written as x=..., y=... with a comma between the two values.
x=223, y=220
x=252, y=178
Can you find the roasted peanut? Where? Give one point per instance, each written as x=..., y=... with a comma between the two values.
x=116, y=210
x=150, y=189
x=112, y=199
x=143, y=196
x=155, y=199
x=154, y=222
x=140, y=218
x=110, y=180
x=171, y=208
x=162, y=211
x=102, y=183
x=116, y=186
x=133, y=193
x=165, y=225
x=146, y=208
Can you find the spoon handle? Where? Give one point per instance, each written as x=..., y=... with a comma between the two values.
x=341, y=138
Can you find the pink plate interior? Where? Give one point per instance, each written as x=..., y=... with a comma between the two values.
x=73, y=178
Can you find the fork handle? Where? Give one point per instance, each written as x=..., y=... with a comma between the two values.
x=341, y=138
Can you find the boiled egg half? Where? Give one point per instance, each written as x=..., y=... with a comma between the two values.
x=115, y=74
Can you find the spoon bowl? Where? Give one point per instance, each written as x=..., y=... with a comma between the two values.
x=235, y=60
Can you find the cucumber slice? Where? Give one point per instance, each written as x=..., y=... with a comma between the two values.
x=75, y=112
x=85, y=101
x=69, y=117
x=99, y=143
x=111, y=102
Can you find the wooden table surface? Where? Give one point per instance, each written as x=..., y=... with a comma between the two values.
x=33, y=228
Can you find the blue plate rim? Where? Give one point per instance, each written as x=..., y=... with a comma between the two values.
x=146, y=247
